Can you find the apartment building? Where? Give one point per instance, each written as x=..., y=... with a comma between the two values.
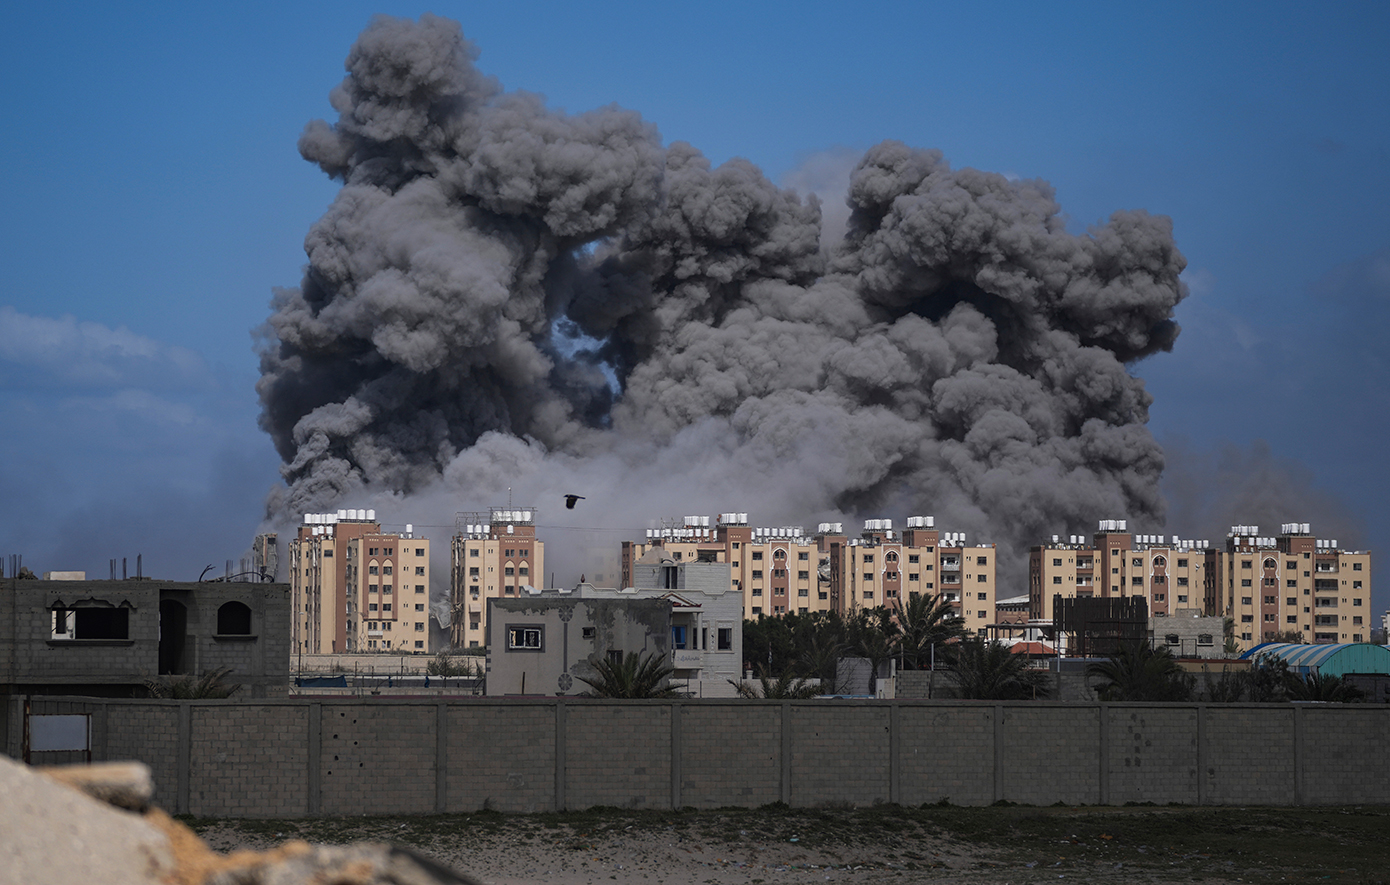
x=1170, y=573
x=776, y=570
x=883, y=566
x=357, y=589
x=782, y=569
x=495, y=555
x=1290, y=582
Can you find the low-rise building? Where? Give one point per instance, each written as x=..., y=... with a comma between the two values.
x=108, y=638
x=543, y=643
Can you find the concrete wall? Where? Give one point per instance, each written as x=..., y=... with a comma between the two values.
x=34, y=661
x=280, y=758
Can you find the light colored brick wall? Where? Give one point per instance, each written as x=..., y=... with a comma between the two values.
x=1152, y=753
x=501, y=756
x=382, y=755
x=249, y=760
x=714, y=734
x=1050, y=754
x=1334, y=747
x=1249, y=755
x=618, y=754
x=947, y=753
x=151, y=734
x=839, y=753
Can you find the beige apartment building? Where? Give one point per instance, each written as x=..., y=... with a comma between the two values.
x=882, y=567
x=357, y=589
x=776, y=569
x=1291, y=582
x=1169, y=572
x=782, y=569
x=495, y=555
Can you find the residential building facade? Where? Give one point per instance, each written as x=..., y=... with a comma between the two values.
x=1291, y=582
x=779, y=570
x=542, y=643
x=1168, y=572
x=495, y=555
x=357, y=589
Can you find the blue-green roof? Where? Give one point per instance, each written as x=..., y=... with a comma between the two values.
x=1327, y=660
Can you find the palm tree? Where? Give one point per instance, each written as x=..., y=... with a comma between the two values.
x=1138, y=672
x=443, y=665
x=873, y=642
x=787, y=687
x=926, y=620
x=636, y=676
x=1316, y=687
x=989, y=671
x=209, y=685
x=1229, y=688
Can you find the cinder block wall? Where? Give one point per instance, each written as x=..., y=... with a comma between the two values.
x=285, y=758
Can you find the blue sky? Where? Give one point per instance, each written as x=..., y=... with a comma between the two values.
x=154, y=198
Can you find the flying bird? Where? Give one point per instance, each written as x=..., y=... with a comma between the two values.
x=571, y=499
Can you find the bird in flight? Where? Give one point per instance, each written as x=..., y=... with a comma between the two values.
x=571, y=499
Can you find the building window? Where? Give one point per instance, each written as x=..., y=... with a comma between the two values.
x=757, y=609
x=1356, y=566
x=803, y=591
x=234, y=619
x=1246, y=619
x=981, y=579
x=419, y=627
x=419, y=588
x=803, y=556
x=1356, y=601
x=1182, y=563
x=678, y=634
x=868, y=577
x=984, y=596
x=1245, y=582
x=525, y=637
x=757, y=556
x=982, y=560
x=1137, y=562
x=1171, y=639
x=386, y=570
x=372, y=570
x=980, y=615
x=1182, y=582
x=1204, y=639
x=912, y=576
x=1056, y=561
x=1056, y=579
x=419, y=570
x=1137, y=581
x=371, y=606
x=473, y=552
x=725, y=639
x=419, y=643
x=91, y=623
x=757, y=574
x=803, y=576
x=419, y=606
x=757, y=591
x=868, y=558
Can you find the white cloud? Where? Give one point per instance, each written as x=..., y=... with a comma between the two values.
x=64, y=352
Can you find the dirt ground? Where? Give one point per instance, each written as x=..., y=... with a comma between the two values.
x=871, y=846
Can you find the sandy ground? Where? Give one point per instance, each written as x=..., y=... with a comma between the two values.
x=564, y=857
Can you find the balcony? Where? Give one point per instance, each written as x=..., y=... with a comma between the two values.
x=687, y=659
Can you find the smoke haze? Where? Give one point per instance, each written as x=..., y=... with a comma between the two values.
x=508, y=299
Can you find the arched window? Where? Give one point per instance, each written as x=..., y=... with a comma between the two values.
x=234, y=619
x=1159, y=562
x=1271, y=564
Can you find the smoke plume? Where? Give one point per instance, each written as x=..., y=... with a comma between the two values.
x=505, y=296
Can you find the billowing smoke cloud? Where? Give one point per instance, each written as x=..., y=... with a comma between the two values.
x=504, y=296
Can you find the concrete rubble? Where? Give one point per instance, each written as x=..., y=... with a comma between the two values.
x=93, y=823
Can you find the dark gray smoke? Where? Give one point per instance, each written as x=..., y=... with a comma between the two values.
x=957, y=353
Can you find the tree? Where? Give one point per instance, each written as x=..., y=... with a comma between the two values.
x=1316, y=687
x=872, y=641
x=788, y=686
x=989, y=671
x=1228, y=629
x=443, y=665
x=1292, y=636
x=1229, y=688
x=1138, y=672
x=636, y=676
x=207, y=686
x=924, y=622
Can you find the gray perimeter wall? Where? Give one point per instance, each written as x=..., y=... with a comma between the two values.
x=286, y=758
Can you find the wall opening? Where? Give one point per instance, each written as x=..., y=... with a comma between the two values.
x=234, y=619
x=173, y=630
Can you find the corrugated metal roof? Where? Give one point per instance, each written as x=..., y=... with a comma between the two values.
x=1328, y=660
